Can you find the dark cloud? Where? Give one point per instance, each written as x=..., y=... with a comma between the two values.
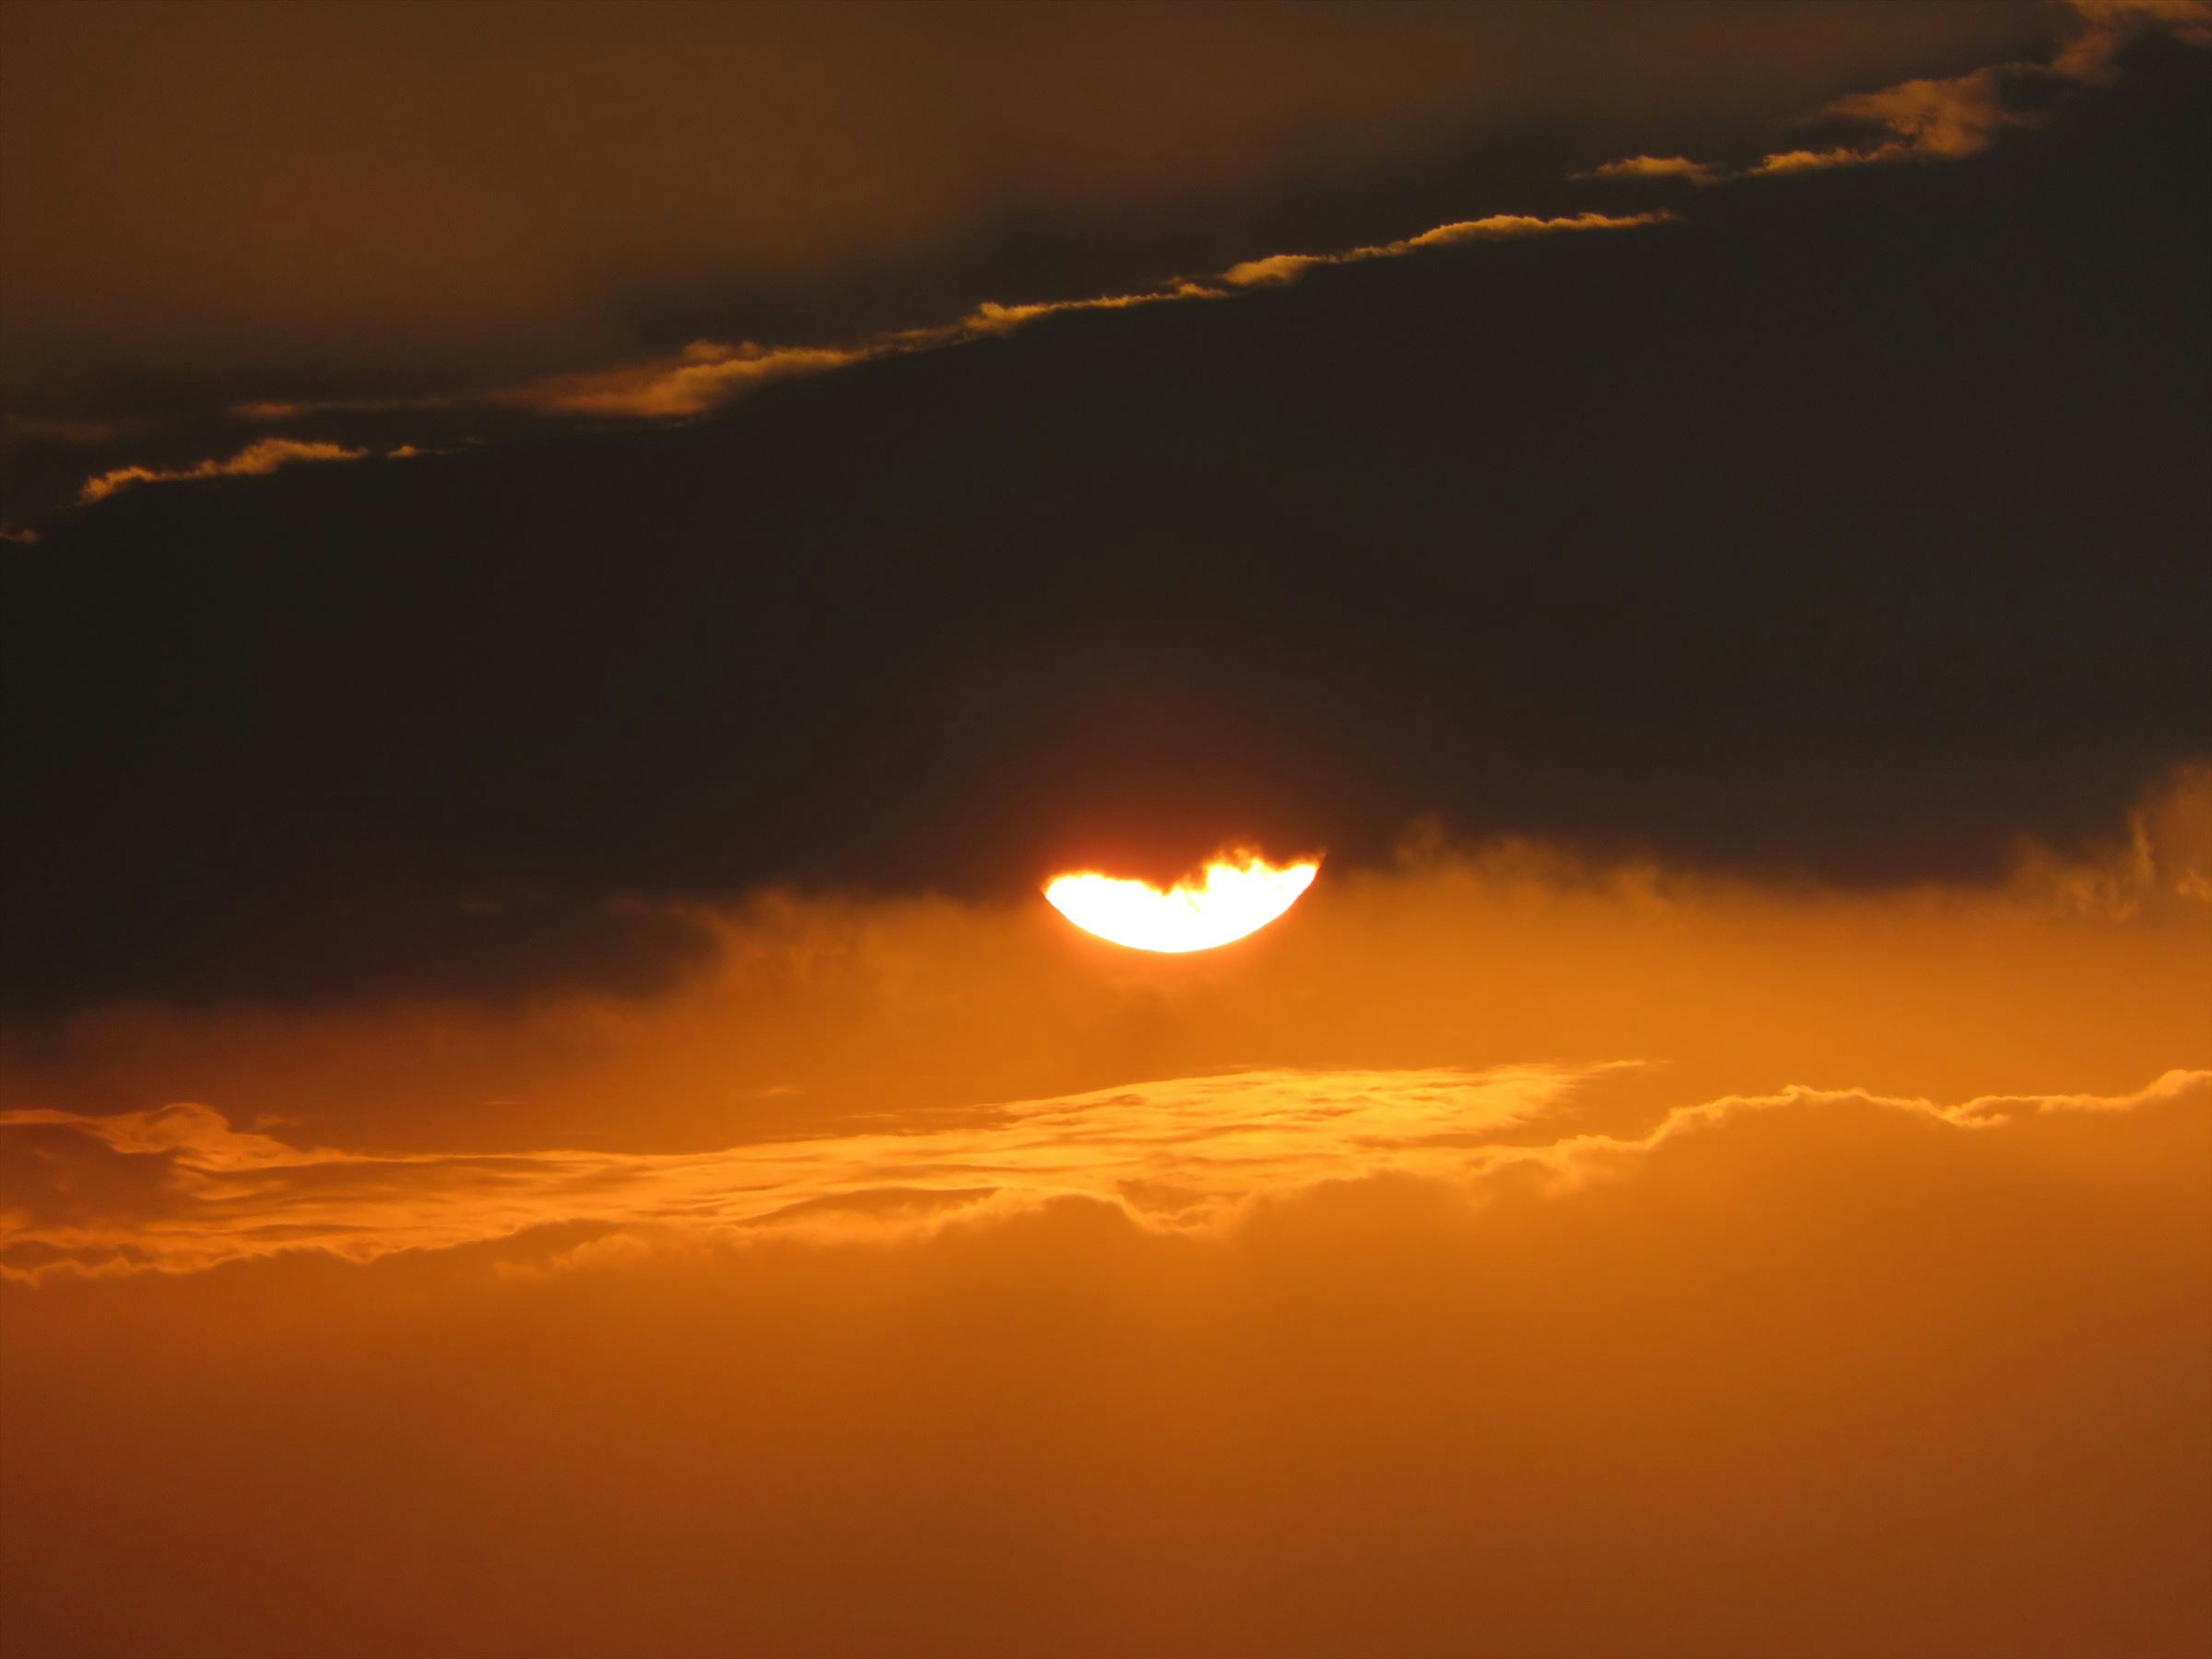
x=1844, y=528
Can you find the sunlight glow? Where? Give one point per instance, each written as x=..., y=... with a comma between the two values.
x=1233, y=899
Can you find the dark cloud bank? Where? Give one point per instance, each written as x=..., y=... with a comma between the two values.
x=1851, y=528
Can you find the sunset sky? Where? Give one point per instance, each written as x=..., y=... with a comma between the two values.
x=573, y=572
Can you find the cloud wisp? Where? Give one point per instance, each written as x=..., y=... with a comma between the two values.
x=1497, y=228
x=257, y=460
x=1653, y=167
x=707, y=374
x=178, y=1189
x=1949, y=117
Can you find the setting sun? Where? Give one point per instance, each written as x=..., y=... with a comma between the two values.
x=1231, y=900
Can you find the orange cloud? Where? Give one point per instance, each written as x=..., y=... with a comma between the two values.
x=696, y=379
x=1945, y=118
x=706, y=374
x=1181, y=1155
x=1936, y=120
x=2110, y=25
x=1952, y=117
x=1896, y=1372
x=263, y=455
x=1498, y=227
x=1652, y=166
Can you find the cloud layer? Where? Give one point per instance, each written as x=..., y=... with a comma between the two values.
x=1949, y=118
x=1811, y=1376
x=177, y=1189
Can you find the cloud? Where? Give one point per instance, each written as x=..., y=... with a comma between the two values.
x=1935, y=121
x=1653, y=167
x=258, y=459
x=708, y=374
x=1497, y=227
x=2164, y=863
x=2109, y=25
x=1946, y=118
x=1821, y=161
x=700, y=377
x=1941, y=119
x=1185, y=1156
x=1808, y=1376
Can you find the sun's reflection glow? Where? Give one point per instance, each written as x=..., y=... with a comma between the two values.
x=1231, y=900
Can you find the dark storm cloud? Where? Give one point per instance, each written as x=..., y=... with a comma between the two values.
x=1846, y=528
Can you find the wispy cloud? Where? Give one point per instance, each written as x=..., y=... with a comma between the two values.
x=1949, y=117
x=1498, y=227
x=263, y=455
x=706, y=374
x=1935, y=121
x=702, y=376
x=1653, y=167
x=178, y=1189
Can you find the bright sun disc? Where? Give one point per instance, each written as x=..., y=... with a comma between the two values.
x=1231, y=900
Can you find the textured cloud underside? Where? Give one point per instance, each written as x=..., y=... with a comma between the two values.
x=179, y=1189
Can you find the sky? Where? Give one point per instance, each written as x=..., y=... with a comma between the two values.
x=572, y=571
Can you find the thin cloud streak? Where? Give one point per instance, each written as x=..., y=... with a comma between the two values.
x=256, y=459
x=1498, y=227
x=708, y=374
x=1950, y=118
x=1928, y=119
x=1652, y=166
x=180, y=1190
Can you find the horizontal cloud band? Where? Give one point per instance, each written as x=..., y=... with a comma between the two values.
x=179, y=1190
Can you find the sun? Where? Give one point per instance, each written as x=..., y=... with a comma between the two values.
x=1233, y=896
